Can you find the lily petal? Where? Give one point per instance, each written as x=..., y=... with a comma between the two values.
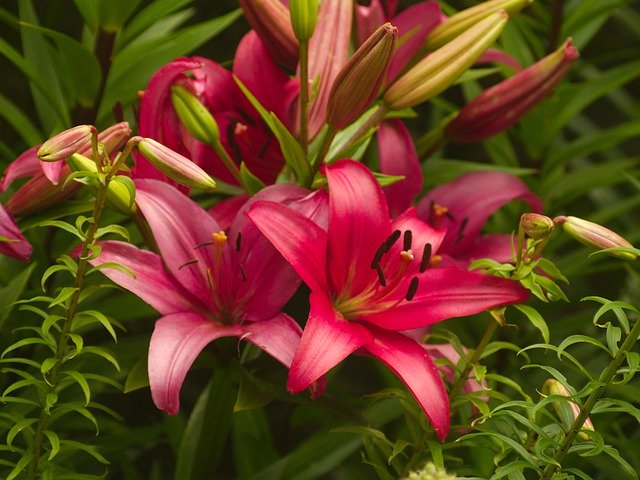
x=358, y=223
x=26, y=165
x=176, y=342
x=326, y=341
x=448, y=293
x=12, y=242
x=152, y=283
x=164, y=207
x=300, y=241
x=498, y=246
x=279, y=337
x=471, y=200
x=398, y=156
x=413, y=365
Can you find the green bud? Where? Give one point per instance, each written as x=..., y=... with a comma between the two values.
x=440, y=69
x=536, y=226
x=465, y=19
x=304, y=14
x=194, y=116
x=554, y=387
x=174, y=165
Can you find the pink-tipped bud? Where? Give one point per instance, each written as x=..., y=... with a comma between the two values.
x=502, y=105
x=441, y=68
x=568, y=411
x=113, y=138
x=359, y=81
x=465, y=19
x=594, y=235
x=174, y=165
x=536, y=226
x=272, y=22
x=65, y=143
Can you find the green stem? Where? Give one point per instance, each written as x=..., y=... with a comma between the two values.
x=228, y=161
x=61, y=348
x=605, y=379
x=464, y=375
x=304, y=96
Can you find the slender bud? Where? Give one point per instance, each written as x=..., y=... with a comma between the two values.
x=594, y=235
x=536, y=226
x=359, y=81
x=554, y=387
x=113, y=137
x=461, y=21
x=441, y=68
x=272, y=22
x=304, y=14
x=65, y=143
x=174, y=165
x=502, y=105
x=194, y=116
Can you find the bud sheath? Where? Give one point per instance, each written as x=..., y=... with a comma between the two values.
x=194, y=116
x=65, y=143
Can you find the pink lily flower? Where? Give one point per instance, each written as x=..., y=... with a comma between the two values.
x=464, y=205
x=243, y=134
x=367, y=285
x=12, y=242
x=214, y=284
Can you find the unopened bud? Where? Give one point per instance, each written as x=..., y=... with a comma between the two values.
x=359, y=81
x=120, y=191
x=554, y=387
x=441, y=68
x=113, y=137
x=194, y=116
x=174, y=165
x=304, y=14
x=502, y=105
x=465, y=19
x=594, y=235
x=65, y=143
x=536, y=226
x=272, y=22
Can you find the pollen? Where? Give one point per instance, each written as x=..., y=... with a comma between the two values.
x=406, y=256
x=219, y=238
x=240, y=128
x=435, y=261
x=439, y=211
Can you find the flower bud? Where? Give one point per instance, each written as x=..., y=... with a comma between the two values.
x=441, y=68
x=502, y=105
x=594, y=235
x=536, y=226
x=194, y=116
x=304, y=14
x=113, y=138
x=174, y=165
x=65, y=143
x=461, y=21
x=554, y=387
x=359, y=81
x=272, y=22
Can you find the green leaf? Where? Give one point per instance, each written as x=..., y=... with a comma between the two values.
x=54, y=441
x=23, y=463
x=82, y=382
x=536, y=320
x=102, y=352
x=438, y=171
x=582, y=22
x=87, y=316
x=252, y=183
x=85, y=448
x=253, y=446
x=151, y=14
x=207, y=430
x=62, y=225
x=12, y=291
x=63, y=296
x=138, y=376
x=20, y=122
x=114, y=229
x=19, y=427
x=112, y=14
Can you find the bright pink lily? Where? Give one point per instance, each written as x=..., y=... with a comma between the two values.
x=211, y=288
x=369, y=280
x=12, y=242
x=243, y=134
x=464, y=205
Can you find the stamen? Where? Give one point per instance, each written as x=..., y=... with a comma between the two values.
x=408, y=237
x=242, y=272
x=238, y=240
x=435, y=261
x=393, y=238
x=190, y=262
x=384, y=248
x=406, y=256
x=426, y=257
x=237, y=154
x=204, y=244
x=413, y=288
x=460, y=234
x=383, y=281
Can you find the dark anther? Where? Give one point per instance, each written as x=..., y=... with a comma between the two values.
x=246, y=117
x=383, y=281
x=205, y=244
x=407, y=240
x=231, y=138
x=244, y=275
x=384, y=248
x=190, y=262
x=413, y=288
x=238, y=240
x=426, y=257
x=460, y=233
